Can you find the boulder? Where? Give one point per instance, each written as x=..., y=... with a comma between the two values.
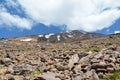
x=99, y=65
x=49, y=76
x=77, y=68
x=74, y=59
x=60, y=67
x=78, y=78
x=98, y=55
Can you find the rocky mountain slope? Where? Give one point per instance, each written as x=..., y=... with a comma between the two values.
x=67, y=36
x=27, y=58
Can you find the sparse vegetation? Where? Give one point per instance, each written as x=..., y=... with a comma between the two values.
x=34, y=73
x=93, y=49
x=115, y=76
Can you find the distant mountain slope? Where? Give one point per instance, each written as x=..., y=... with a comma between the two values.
x=60, y=37
x=69, y=35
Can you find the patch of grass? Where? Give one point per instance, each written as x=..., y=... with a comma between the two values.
x=115, y=76
x=93, y=49
x=36, y=73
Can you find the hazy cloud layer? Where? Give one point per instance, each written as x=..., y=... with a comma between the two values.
x=88, y=15
x=117, y=32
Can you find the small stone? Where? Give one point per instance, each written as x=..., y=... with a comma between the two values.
x=60, y=67
x=18, y=78
x=10, y=69
x=51, y=62
x=95, y=61
x=97, y=65
x=29, y=68
x=98, y=55
x=117, y=67
x=43, y=59
x=78, y=78
x=20, y=58
x=101, y=75
x=118, y=60
x=110, y=69
x=101, y=70
x=3, y=71
x=19, y=70
x=42, y=48
x=89, y=73
x=10, y=55
x=112, y=59
x=102, y=63
x=10, y=77
x=7, y=61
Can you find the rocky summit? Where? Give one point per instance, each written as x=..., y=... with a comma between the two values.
x=43, y=58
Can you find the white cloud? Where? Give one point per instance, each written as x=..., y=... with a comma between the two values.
x=117, y=32
x=13, y=20
x=11, y=3
x=88, y=15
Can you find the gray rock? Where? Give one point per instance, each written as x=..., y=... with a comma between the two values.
x=99, y=65
x=117, y=67
x=101, y=70
x=74, y=59
x=86, y=58
x=77, y=68
x=98, y=55
x=10, y=55
x=95, y=60
x=78, y=78
x=18, y=70
x=6, y=61
x=118, y=60
x=49, y=76
x=60, y=67
x=89, y=73
x=95, y=76
x=29, y=68
x=22, y=70
x=43, y=59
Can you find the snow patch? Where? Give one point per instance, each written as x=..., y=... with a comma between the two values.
x=65, y=37
x=84, y=32
x=68, y=31
x=117, y=32
x=70, y=36
x=28, y=39
x=48, y=35
x=58, y=37
x=40, y=35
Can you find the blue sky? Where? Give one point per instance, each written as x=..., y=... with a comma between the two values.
x=29, y=17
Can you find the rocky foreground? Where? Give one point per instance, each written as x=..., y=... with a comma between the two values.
x=96, y=59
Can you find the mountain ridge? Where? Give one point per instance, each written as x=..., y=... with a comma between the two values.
x=62, y=37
